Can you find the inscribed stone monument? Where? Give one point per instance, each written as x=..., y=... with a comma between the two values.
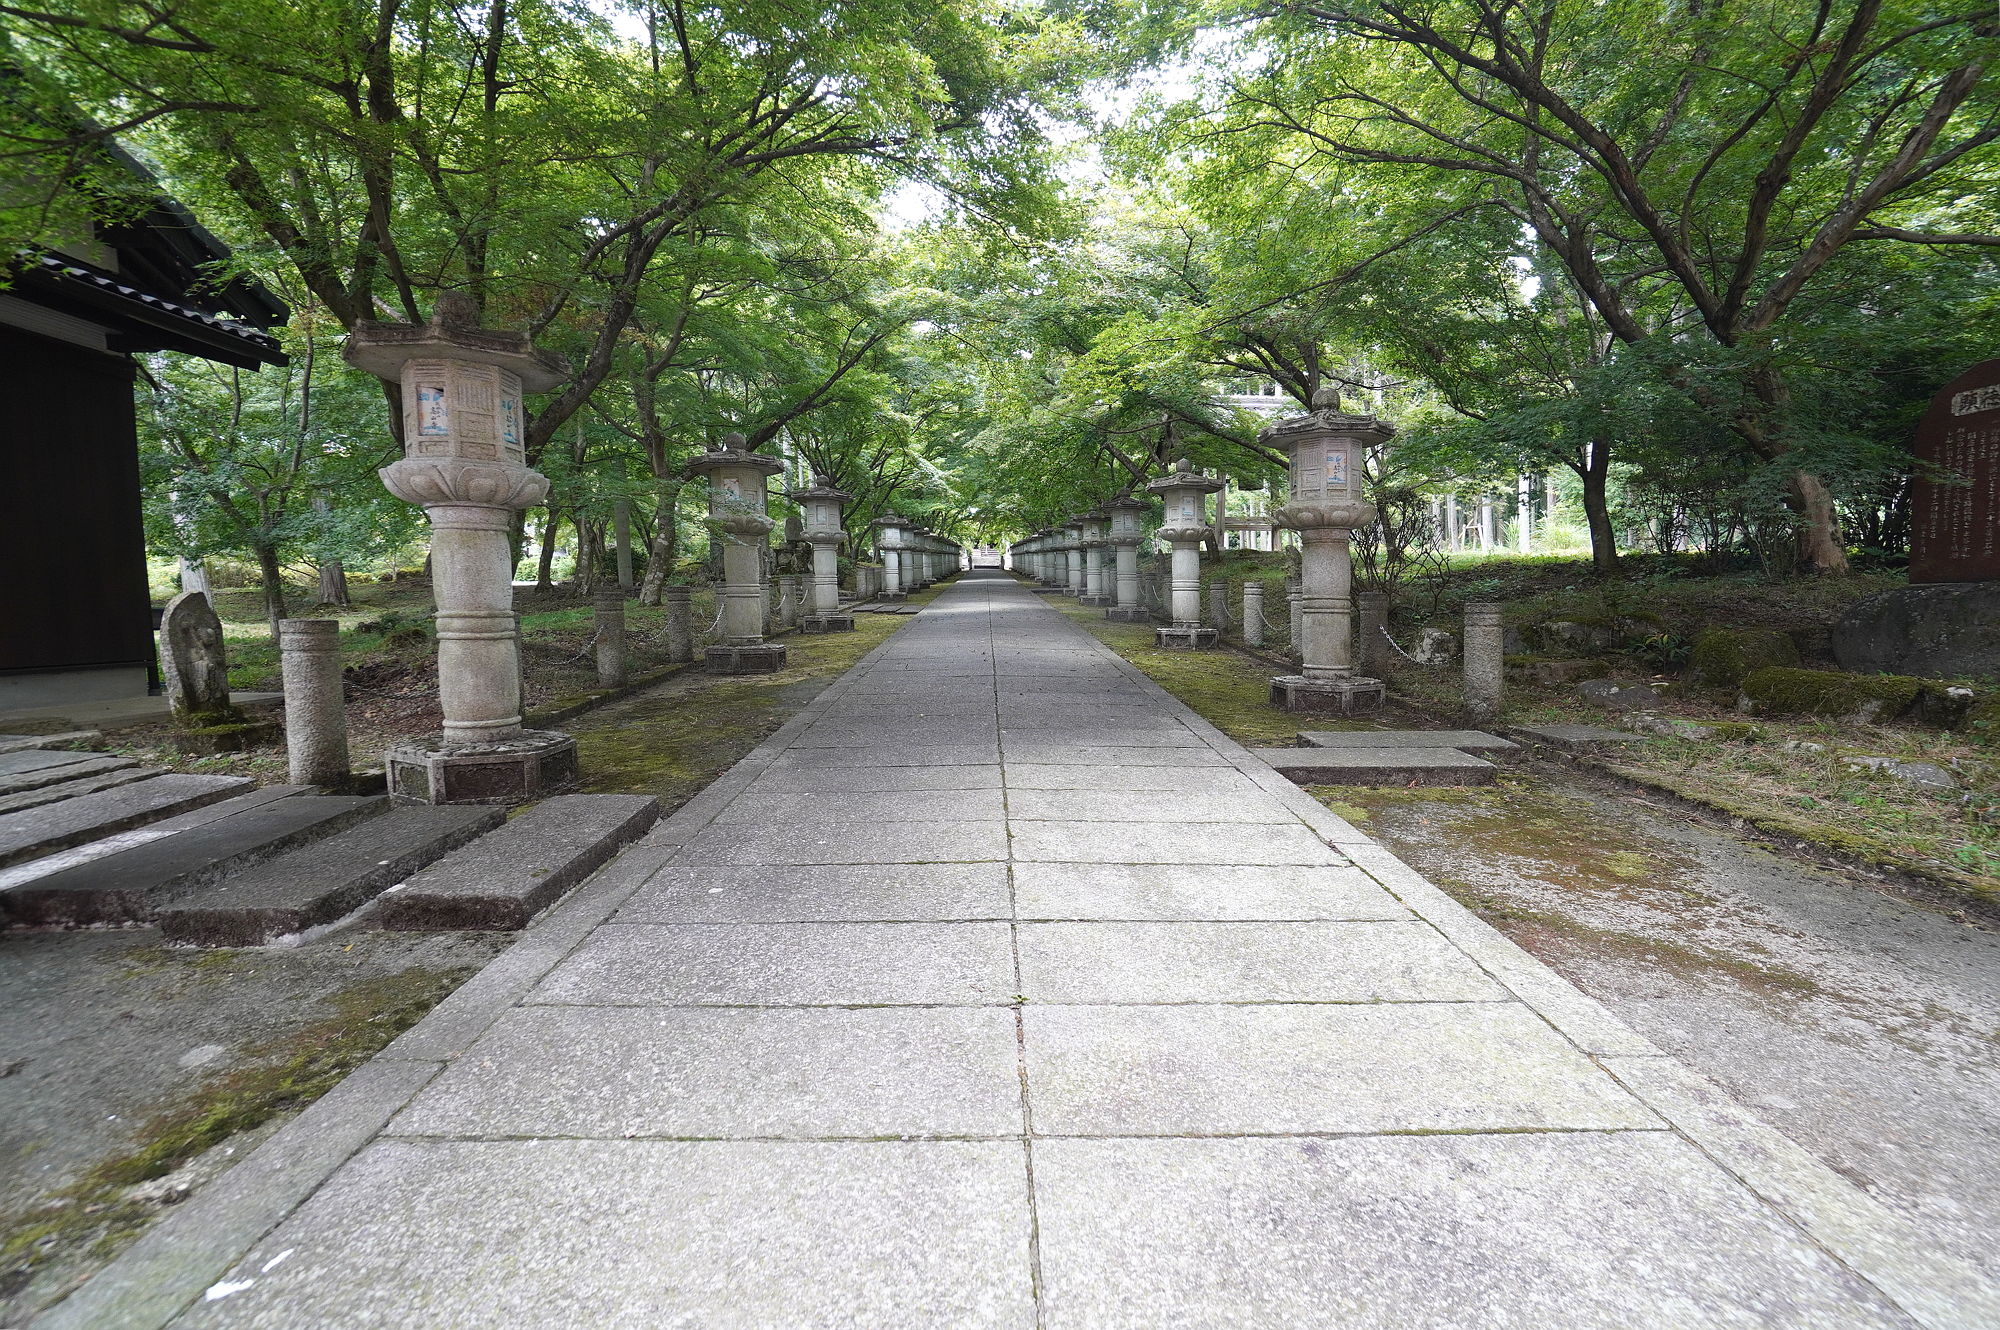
x=1955, y=527
x=191, y=659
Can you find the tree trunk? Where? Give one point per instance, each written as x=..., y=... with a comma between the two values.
x=1818, y=538
x=660, y=559
x=1595, y=471
x=333, y=583
x=586, y=555
x=545, y=566
x=274, y=586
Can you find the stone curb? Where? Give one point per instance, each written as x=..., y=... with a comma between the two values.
x=180, y=1257
x=1938, y=1291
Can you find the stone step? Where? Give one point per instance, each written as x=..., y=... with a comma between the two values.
x=1576, y=736
x=14, y=743
x=325, y=881
x=1379, y=766
x=35, y=832
x=1465, y=741
x=133, y=885
x=505, y=879
x=72, y=766
x=76, y=785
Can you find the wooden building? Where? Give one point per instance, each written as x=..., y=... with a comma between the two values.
x=76, y=620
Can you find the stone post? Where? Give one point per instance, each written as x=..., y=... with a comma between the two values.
x=1126, y=511
x=738, y=494
x=1076, y=582
x=1218, y=603
x=1184, y=490
x=889, y=540
x=315, y=703
x=1253, y=614
x=463, y=429
x=791, y=600
x=824, y=529
x=610, y=606
x=1329, y=451
x=1294, y=615
x=1485, y=661
x=1374, y=652
x=679, y=604
x=1097, y=589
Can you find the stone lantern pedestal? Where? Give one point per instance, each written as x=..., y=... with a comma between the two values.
x=1096, y=591
x=1328, y=449
x=823, y=504
x=1125, y=511
x=463, y=462
x=738, y=492
x=1185, y=491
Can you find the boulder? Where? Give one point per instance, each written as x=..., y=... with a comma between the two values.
x=1927, y=774
x=1947, y=630
x=1538, y=669
x=1859, y=699
x=1723, y=656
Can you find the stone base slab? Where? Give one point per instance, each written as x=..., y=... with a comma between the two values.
x=1128, y=614
x=827, y=623
x=234, y=736
x=891, y=595
x=1173, y=637
x=1327, y=697
x=761, y=658
x=531, y=766
x=1097, y=602
x=1379, y=766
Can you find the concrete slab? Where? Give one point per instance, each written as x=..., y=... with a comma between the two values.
x=1292, y=1070
x=844, y=810
x=26, y=761
x=70, y=785
x=641, y=1235
x=899, y=843
x=1127, y=806
x=1378, y=766
x=1577, y=736
x=1167, y=843
x=785, y=965
x=1049, y=752
x=821, y=893
x=892, y=755
x=872, y=780
x=508, y=877
x=1210, y=892
x=36, y=832
x=1211, y=779
x=1583, y=1231
x=1466, y=741
x=798, y=1073
x=1246, y=962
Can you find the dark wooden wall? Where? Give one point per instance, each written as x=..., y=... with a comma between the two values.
x=72, y=546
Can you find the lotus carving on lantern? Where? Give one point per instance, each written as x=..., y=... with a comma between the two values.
x=431, y=483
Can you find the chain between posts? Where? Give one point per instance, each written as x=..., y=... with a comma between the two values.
x=1398, y=647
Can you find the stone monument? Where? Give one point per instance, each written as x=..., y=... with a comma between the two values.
x=738, y=495
x=1328, y=449
x=463, y=462
x=823, y=529
x=1946, y=624
x=1184, y=491
x=194, y=669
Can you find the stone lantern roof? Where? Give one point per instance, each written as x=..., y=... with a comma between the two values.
x=453, y=333
x=821, y=488
x=734, y=452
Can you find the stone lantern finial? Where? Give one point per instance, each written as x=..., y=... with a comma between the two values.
x=1326, y=397
x=736, y=442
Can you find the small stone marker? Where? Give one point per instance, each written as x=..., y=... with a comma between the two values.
x=679, y=603
x=315, y=702
x=192, y=661
x=1485, y=660
x=610, y=607
x=1253, y=614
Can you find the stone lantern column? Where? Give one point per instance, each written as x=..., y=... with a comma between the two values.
x=1185, y=491
x=1125, y=535
x=1074, y=583
x=738, y=494
x=1328, y=449
x=1095, y=591
x=889, y=540
x=463, y=461
x=823, y=504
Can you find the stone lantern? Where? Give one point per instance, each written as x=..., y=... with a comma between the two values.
x=1095, y=592
x=464, y=425
x=738, y=495
x=1328, y=450
x=824, y=531
x=1126, y=512
x=1185, y=492
x=889, y=540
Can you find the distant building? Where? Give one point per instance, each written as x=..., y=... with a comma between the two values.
x=76, y=622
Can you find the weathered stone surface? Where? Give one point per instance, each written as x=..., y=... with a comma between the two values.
x=504, y=879
x=1928, y=774
x=73, y=785
x=323, y=882
x=1574, y=736
x=40, y=831
x=641, y=1235
x=1466, y=741
x=14, y=743
x=1208, y=892
x=1167, y=843
x=821, y=893
x=1949, y=631
x=623, y=1072
x=1722, y=656
x=1584, y=1231
x=1378, y=766
x=193, y=665
x=20, y=772
x=134, y=885
x=1614, y=696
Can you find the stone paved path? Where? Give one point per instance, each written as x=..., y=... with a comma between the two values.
x=998, y=990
